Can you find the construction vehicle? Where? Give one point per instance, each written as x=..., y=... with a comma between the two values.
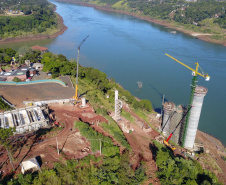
x=76, y=86
x=56, y=123
x=166, y=142
x=195, y=73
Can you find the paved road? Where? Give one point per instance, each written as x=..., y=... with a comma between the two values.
x=67, y=80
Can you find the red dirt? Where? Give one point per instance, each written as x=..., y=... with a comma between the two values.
x=216, y=150
x=140, y=142
x=70, y=141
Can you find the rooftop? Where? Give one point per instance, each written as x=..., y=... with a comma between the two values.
x=14, y=73
x=39, y=48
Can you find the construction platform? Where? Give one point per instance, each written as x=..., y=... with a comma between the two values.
x=24, y=119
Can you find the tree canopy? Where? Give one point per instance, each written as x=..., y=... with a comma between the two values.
x=40, y=16
x=175, y=170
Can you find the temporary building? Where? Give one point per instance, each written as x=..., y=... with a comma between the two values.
x=31, y=164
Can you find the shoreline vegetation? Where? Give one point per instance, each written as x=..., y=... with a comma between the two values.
x=61, y=28
x=199, y=35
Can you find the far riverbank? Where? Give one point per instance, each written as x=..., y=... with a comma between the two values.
x=201, y=36
x=61, y=26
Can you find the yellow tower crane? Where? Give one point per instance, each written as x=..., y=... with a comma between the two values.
x=195, y=73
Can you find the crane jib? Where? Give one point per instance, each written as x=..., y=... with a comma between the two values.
x=196, y=72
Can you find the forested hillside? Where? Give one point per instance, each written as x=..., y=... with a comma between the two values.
x=206, y=16
x=26, y=16
x=181, y=11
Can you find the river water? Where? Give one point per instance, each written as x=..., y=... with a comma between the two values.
x=131, y=50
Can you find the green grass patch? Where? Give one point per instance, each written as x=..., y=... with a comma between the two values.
x=102, y=105
x=113, y=128
x=218, y=37
x=141, y=114
x=128, y=116
x=4, y=106
x=95, y=138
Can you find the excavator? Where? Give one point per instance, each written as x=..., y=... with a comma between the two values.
x=166, y=142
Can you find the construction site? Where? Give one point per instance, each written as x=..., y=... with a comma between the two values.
x=25, y=119
x=44, y=115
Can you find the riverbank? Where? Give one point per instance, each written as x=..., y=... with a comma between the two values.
x=61, y=29
x=201, y=36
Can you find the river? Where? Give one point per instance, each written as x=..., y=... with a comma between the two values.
x=131, y=50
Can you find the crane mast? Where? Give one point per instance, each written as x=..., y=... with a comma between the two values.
x=195, y=73
x=76, y=86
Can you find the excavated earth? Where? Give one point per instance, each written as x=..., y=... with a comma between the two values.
x=71, y=143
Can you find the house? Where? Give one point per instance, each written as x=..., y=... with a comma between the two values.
x=21, y=74
x=27, y=62
x=32, y=71
x=42, y=49
x=2, y=79
x=37, y=66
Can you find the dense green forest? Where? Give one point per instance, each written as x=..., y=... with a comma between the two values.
x=178, y=11
x=38, y=17
x=26, y=53
x=175, y=170
x=6, y=55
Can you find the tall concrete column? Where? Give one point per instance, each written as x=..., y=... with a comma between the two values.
x=118, y=106
x=168, y=108
x=175, y=119
x=193, y=121
x=116, y=100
